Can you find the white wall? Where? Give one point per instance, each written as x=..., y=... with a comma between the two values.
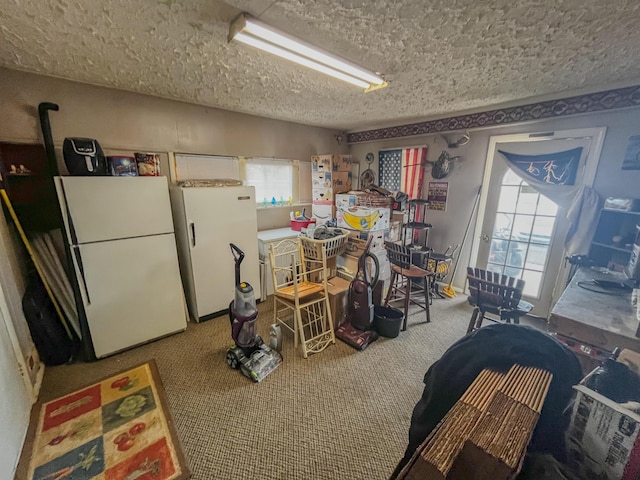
x=20, y=368
x=448, y=227
x=13, y=285
x=15, y=399
x=125, y=122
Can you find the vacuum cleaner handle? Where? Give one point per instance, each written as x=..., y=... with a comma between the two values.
x=238, y=256
x=374, y=282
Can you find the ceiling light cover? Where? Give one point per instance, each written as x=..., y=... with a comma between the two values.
x=251, y=31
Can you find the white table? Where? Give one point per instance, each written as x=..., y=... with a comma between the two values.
x=266, y=238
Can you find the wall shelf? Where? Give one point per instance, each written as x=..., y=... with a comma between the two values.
x=31, y=191
x=613, y=247
x=614, y=223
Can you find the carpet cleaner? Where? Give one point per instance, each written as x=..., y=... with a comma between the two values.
x=249, y=353
x=358, y=330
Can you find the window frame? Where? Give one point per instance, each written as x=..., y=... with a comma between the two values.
x=301, y=190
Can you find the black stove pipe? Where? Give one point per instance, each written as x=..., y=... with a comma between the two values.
x=43, y=113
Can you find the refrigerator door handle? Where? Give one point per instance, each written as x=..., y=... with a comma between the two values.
x=76, y=251
x=72, y=230
x=193, y=234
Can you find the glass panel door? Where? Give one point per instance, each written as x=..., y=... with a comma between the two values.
x=522, y=233
x=519, y=232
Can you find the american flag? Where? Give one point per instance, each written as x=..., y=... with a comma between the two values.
x=403, y=169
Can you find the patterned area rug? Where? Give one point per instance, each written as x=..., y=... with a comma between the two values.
x=116, y=429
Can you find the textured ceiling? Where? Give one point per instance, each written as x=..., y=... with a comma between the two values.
x=440, y=56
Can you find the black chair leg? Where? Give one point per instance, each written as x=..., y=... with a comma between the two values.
x=392, y=283
x=427, y=298
x=406, y=303
x=480, y=318
x=472, y=322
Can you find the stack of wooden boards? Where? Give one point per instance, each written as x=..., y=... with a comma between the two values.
x=486, y=433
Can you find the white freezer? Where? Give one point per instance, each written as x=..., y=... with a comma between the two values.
x=108, y=208
x=207, y=220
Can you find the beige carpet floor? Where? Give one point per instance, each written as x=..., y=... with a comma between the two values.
x=340, y=414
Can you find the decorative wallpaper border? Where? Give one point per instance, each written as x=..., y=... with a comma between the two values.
x=592, y=102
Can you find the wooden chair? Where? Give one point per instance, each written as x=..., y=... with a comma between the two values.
x=301, y=298
x=404, y=276
x=495, y=294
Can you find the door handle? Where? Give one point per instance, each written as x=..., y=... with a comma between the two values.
x=193, y=234
x=76, y=251
x=485, y=238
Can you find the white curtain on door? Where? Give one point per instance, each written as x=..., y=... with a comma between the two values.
x=580, y=203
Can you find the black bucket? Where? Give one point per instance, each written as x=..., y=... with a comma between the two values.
x=387, y=321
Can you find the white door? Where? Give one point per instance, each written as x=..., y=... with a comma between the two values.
x=107, y=208
x=521, y=233
x=217, y=217
x=131, y=291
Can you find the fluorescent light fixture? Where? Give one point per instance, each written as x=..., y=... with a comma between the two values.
x=250, y=31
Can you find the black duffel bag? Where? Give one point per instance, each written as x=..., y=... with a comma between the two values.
x=54, y=345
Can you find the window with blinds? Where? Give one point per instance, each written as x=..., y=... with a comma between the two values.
x=272, y=179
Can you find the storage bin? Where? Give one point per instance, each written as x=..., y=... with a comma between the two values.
x=387, y=321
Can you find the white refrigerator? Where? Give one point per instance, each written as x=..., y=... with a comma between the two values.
x=207, y=220
x=123, y=250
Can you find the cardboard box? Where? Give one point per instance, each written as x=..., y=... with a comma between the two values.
x=601, y=439
x=321, y=179
x=317, y=275
x=339, y=300
x=631, y=359
x=348, y=265
x=357, y=242
x=331, y=163
x=341, y=182
x=363, y=219
x=341, y=163
x=320, y=163
x=399, y=217
x=379, y=236
x=322, y=194
x=345, y=201
x=355, y=246
x=353, y=214
x=323, y=212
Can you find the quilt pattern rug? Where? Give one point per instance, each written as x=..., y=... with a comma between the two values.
x=117, y=429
